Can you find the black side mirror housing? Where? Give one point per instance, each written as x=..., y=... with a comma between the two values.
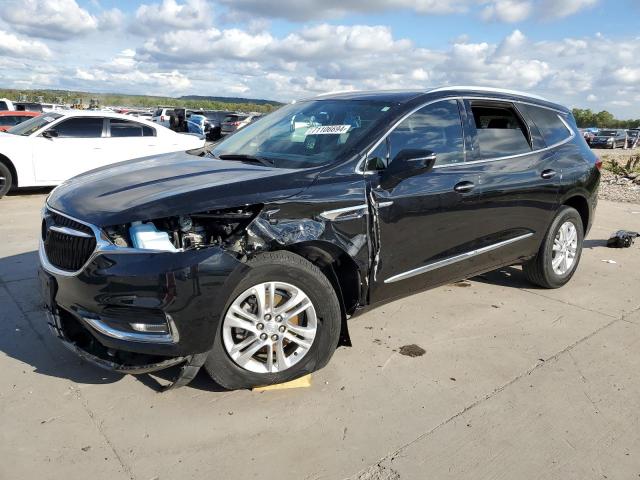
x=407, y=163
x=51, y=133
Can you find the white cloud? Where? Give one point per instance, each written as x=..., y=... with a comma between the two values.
x=13, y=46
x=157, y=17
x=111, y=19
x=509, y=11
x=564, y=8
x=304, y=10
x=54, y=19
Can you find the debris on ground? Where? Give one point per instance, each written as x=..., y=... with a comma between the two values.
x=412, y=350
x=609, y=261
x=622, y=239
x=462, y=283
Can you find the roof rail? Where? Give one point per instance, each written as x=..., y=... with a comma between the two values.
x=489, y=90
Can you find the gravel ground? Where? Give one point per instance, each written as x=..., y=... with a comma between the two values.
x=614, y=187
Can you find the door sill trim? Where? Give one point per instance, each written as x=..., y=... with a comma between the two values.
x=454, y=259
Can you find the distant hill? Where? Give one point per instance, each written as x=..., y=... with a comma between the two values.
x=145, y=101
x=255, y=101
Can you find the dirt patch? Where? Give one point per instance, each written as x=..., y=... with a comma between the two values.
x=412, y=350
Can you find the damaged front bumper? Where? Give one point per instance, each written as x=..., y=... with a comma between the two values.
x=95, y=312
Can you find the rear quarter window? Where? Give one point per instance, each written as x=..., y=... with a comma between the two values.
x=552, y=128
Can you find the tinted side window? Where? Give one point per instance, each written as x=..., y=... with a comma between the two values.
x=8, y=120
x=500, y=130
x=80, y=127
x=436, y=127
x=548, y=122
x=124, y=128
x=3, y=106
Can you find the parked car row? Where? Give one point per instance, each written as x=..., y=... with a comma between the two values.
x=611, y=138
x=214, y=124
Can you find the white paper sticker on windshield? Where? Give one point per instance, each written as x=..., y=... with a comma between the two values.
x=328, y=130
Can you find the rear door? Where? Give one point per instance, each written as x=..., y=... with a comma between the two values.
x=128, y=139
x=519, y=181
x=79, y=146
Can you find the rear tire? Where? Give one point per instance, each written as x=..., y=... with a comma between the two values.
x=6, y=180
x=283, y=272
x=560, y=252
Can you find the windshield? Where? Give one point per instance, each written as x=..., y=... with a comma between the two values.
x=33, y=124
x=306, y=134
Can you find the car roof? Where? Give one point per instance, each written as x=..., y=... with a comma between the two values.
x=19, y=113
x=403, y=96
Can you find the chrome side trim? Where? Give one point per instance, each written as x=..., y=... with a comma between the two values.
x=171, y=337
x=69, y=231
x=358, y=211
x=456, y=258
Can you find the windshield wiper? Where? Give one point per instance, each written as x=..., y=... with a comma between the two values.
x=247, y=158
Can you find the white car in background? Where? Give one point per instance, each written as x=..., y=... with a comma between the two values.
x=46, y=150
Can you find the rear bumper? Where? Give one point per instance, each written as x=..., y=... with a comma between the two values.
x=92, y=311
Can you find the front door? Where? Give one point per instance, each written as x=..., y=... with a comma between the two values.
x=423, y=227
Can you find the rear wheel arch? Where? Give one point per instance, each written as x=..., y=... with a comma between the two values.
x=581, y=204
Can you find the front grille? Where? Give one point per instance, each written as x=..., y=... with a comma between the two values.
x=66, y=251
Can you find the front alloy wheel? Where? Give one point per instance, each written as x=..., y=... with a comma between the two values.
x=269, y=327
x=281, y=321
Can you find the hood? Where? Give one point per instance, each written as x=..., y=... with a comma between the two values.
x=172, y=184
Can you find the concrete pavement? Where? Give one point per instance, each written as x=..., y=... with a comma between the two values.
x=516, y=382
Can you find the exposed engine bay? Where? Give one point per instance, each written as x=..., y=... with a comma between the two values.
x=225, y=228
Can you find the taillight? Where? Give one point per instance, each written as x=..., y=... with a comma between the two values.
x=598, y=163
x=162, y=118
x=235, y=124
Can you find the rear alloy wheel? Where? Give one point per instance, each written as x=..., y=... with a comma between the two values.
x=281, y=322
x=560, y=252
x=6, y=179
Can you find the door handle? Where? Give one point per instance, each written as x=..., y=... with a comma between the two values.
x=547, y=174
x=464, y=187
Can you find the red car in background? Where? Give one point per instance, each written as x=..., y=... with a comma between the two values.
x=10, y=118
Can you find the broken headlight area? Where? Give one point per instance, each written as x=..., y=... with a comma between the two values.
x=223, y=228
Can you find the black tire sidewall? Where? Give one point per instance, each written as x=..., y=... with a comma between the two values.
x=565, y=214
x=317, y=287
x=5, y=172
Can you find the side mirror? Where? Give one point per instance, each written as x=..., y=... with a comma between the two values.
x=51, y=133
x=407, y=163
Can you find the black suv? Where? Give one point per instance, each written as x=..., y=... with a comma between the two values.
x=250, y=259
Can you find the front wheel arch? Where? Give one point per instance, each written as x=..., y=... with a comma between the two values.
x=14, y=173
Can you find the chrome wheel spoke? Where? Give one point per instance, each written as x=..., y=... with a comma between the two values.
x=303, y=342
x=304, y=332
x=242, y=345
x=249, y=352
x=238, y=322
x=270, y=365
x=281, y=358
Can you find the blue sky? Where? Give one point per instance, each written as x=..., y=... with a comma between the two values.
x=578, y=52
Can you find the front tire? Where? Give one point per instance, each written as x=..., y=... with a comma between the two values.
x=6, y=179
x=282, y=321
x=560, y=252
